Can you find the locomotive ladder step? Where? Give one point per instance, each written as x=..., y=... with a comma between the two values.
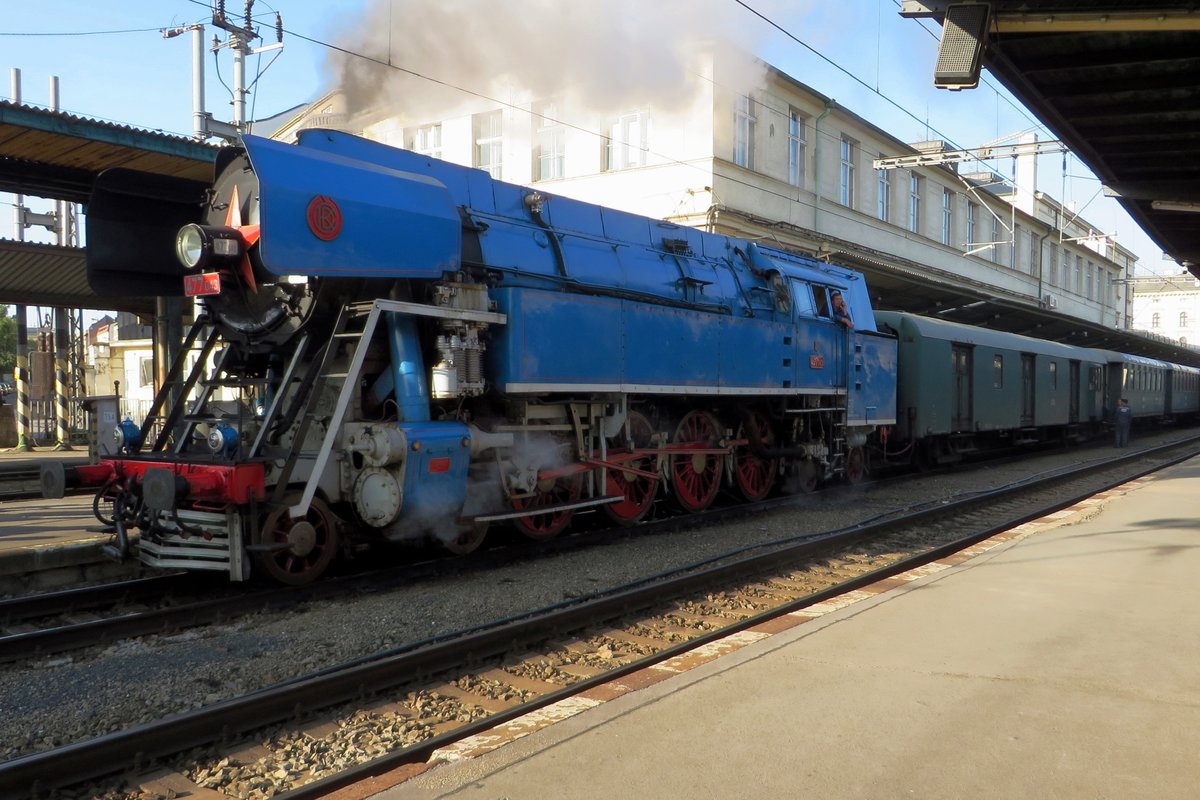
x=366, y=315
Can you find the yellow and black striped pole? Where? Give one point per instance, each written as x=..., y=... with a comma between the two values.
x=62, y=411
x=21, y=378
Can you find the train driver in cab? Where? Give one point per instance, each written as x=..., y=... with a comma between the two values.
x=841, y=314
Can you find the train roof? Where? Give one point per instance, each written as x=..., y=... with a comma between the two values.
x=933, y=328
x=1114, y=357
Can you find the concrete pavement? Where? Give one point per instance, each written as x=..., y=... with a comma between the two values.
x=1063, y=663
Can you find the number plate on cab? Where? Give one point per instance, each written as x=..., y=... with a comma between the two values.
x=201, y=284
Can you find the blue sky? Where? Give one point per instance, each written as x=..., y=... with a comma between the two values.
x=114, y=64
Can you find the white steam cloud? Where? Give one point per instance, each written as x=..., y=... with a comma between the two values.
x=602, y=55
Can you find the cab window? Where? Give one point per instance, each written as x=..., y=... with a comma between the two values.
x=802, y=298
x=821, y=295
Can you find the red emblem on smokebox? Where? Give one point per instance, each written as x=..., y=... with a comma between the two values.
x=324, y=218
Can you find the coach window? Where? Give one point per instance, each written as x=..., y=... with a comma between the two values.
x=1053, y=374
x=998, y=371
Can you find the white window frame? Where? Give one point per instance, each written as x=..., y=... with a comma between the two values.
x=914, y=202
x=549, y=143
x=488, y=131
x=744, y=123
x=947, y=216
x=427, y=140
x=884, y=202
x=627, y=143
x=797, y=146
x=846, y=173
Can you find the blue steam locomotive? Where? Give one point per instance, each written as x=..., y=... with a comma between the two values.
x=396, y=348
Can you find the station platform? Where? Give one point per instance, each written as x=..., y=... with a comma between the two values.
x=1056, y=661
x=46, y=544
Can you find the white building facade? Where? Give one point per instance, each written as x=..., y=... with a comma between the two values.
x=785, y=163
x=1168, y=306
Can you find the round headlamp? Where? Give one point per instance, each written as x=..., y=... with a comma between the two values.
x=202, y=246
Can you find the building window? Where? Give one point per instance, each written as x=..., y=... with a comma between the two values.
x=998, y=371
x=145, y=371
x=626, y=146
x=885, y=194
x=1078, y=274
x=1033, y=254
x=549, y=142
x=428, y=140
x=997, y=244
x=947, y=216
x=847, y=173
x=1089, y=279
x=743, y=132
x=1016, y=247
x=1052, y=267
x=914, y=203
x=1183, y=319
x=797, y=142
x=1155, y=320
x=972, y=217
x=489, y=144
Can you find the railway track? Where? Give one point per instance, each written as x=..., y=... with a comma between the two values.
x=40, y=625
x=409, y=702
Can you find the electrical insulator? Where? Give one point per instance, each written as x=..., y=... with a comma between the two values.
x=278, y=28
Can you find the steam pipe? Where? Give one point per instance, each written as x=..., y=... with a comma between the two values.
x=412, y=387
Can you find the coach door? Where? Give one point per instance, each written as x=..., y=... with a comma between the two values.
x=1028, y=362
x=961, y=357
x=1074, y=401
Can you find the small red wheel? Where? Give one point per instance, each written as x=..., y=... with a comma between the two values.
x=549, y=492
x=807, y=476
x=696, y=477
x=638, y=490
x=297, y=551
x=755, y=476
x=856, y=465
x=467, y=540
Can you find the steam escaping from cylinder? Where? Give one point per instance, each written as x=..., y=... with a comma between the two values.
x=604, y=57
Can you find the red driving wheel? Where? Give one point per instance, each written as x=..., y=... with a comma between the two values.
x=755, y=476
x=696, y=477
x=639, y=490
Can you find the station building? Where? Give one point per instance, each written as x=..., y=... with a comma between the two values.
x=1168, y=306
x=782, y=162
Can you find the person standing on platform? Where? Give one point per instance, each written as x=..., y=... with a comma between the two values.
x=1124, y=419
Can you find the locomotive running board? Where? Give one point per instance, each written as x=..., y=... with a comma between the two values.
x=554, y=509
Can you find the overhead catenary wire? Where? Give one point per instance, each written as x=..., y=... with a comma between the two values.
x=832, y=209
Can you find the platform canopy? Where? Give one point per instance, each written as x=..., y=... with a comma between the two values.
x=55, y=155
x=1117, y=80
